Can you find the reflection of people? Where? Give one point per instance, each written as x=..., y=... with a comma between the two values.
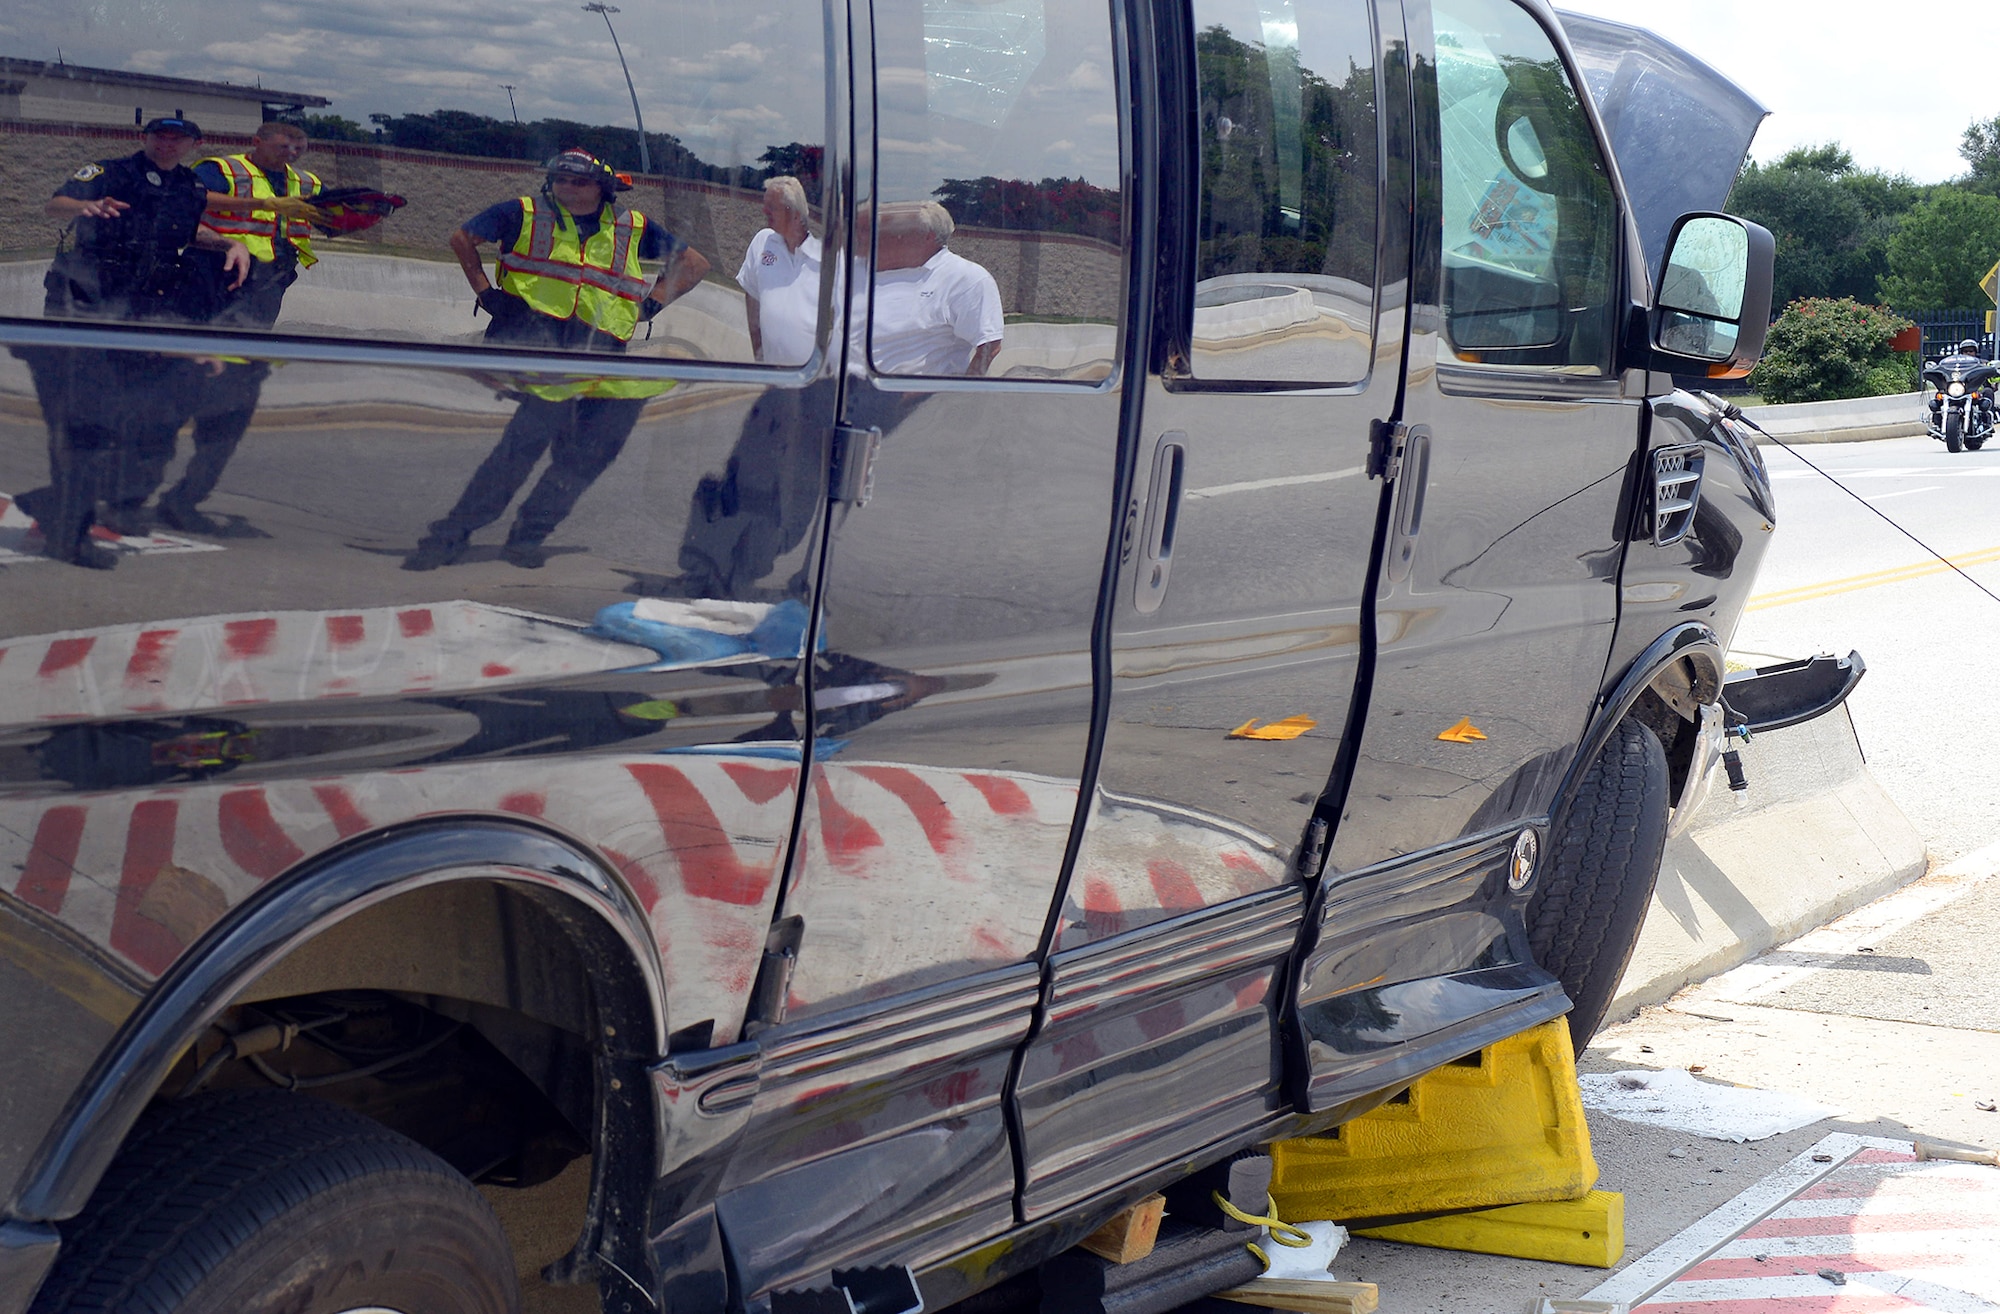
x=935, y=311
x=570, y=279
x=780, y=278
x=768, y=495
x=261, y=200
x=132, y=219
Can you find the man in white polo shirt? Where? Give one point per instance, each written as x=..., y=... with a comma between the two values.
x=780, y=278
x=766, y=498
x=936, y=312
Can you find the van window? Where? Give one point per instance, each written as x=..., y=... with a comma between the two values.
x=412, y=127
x=998, y=215
x=1530, y=223
x=1285, y=271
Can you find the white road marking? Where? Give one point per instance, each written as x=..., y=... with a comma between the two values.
x=1903, y=492
x=1646, y=1275
x=1286, y=481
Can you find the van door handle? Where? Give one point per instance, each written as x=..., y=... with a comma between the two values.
x=1163, y=515
x=1411, y=482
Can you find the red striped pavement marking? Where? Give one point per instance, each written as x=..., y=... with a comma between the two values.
x=21, y=539
x=699, y=839
x=1899, y=1233
x=298, y=656
x=52, y=859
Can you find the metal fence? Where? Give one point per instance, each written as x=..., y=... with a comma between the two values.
x=1945, y=329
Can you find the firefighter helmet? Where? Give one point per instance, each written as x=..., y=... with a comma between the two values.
x=575, y=163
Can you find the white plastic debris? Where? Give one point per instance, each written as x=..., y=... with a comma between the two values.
x=1311, y=1261
x=1674, y=1099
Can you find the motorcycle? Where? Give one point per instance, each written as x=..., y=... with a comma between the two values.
x=1961, y=401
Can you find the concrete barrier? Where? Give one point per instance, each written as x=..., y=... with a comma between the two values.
x=1857, y=420
x=1814, y=837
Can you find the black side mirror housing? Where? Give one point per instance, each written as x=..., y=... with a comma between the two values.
x=1712, y=310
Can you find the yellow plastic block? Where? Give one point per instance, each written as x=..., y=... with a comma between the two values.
x=1587, y=1231
x=1504, y=1128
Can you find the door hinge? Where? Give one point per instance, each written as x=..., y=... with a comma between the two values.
x=852, y=479
x=1387, y=440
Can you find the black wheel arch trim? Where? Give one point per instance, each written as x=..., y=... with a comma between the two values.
x=293, y=909
x=1692, y=642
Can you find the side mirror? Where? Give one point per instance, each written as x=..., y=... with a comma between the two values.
x=1713, y=308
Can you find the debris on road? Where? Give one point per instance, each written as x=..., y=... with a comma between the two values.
x=1925, y=1150
x=1675, y=1099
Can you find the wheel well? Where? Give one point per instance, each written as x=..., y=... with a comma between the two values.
x=489, y=1022
x=1670, y=706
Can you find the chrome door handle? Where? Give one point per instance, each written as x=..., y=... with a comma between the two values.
x=1163, y=513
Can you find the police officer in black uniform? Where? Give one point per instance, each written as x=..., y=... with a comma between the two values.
x=112, y=416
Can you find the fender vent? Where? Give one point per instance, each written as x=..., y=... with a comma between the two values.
x=1676, y=493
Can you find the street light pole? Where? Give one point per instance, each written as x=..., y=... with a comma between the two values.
x=508, y=87
x=597, y=7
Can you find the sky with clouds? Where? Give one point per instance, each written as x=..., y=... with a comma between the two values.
x=728, y=77
x=1895, y=84
x=732, y=76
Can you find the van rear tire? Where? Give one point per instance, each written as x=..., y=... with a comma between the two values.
x=266, y=1201
x=1585, y=913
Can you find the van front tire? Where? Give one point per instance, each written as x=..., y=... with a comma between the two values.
x=1585, y=914
x=266, y=1201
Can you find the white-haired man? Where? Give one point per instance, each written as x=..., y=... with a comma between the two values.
x=936, y=312
x=780, y=278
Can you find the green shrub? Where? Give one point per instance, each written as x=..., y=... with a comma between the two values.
x=1825, y=348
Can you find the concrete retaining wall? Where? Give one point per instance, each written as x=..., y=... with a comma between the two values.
x=1855, y=421
x=1814, y=837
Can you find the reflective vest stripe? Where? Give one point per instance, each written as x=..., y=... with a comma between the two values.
x=259, y=229
x=560, y=275
x=555, y=269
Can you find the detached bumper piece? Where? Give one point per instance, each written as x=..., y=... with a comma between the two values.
x=1790, y=693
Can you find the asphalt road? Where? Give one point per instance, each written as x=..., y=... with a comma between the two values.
x=1840, y=576
x=1892, y=1016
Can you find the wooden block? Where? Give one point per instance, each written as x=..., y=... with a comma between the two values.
x=1306, y=1295
x=1131, y=1232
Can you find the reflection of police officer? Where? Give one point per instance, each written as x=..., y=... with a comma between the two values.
x=131, y=219
x=260, y=199
x=569, y=280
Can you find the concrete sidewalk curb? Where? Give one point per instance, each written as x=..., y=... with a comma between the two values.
x=1815, y=838
x=1832, y=945
x=1860, y=419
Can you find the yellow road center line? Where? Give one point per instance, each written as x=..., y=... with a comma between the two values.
x=1854, y=583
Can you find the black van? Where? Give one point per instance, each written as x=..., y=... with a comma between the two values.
x=1110, y=584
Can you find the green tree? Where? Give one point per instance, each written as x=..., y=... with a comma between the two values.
x=1287, y=162
x=1941, y=249
x=1981, y=148
x=1832, y=220
x=331, y=127
x=1824, y=349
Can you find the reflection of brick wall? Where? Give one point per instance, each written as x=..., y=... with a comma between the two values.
x=1039, y=274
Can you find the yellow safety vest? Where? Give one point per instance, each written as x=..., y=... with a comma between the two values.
x=598, y=282
x=258, y=230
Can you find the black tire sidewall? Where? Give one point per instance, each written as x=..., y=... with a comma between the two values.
x=400, y=1241
x=266, y=1202
x=1585, y=914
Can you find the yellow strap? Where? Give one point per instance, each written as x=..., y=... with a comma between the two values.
x=1281, y=1232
